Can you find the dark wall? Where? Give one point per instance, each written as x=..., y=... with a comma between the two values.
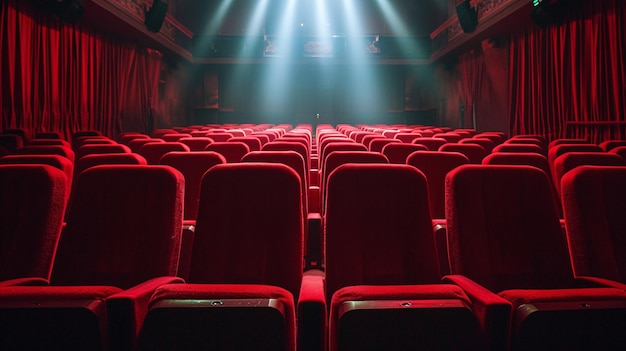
x=316, y=92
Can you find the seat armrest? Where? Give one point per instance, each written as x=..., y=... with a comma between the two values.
x=492, y=311
x=313, y=252
x=593, y=282
x=312, y=312
x=30, y=281
x=441, y=240
x=127, y=310
x=186, y=247
x=314, y=199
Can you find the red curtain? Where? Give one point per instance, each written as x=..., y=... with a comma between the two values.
x=65, y=78
x=568, y=80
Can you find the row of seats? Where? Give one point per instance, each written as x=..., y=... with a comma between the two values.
x=372, y=203
x=512, y=282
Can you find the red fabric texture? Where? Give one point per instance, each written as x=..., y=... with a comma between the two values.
x=253, y=143
x=32, y=207
x=289, y=146
x=519, y=297
x=574, y=71
x=153, y=152
x=88, y=161
x=60, y=150
x=337, y=158
x=398, y=152
x=63, y=78
x=503, y=228
x=571, y=160
x=474, y=153
x=193, y=165
x=375, y=143
x=121, y=231
x=196, y=143
x=518, y=148
x=594, y=200
x=55, y=161
x=291, y=159
x=433, y=144
x=90, y=149
x=233, y=152
x=435, y=165
x=56, y=293
x=250, y=228
x=378, y=229
x=487, y=144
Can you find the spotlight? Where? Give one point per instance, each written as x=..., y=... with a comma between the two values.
x=468, y=16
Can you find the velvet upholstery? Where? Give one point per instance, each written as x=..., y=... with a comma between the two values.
x=196, y=143
x=432, y=143
x=377, y=145
x=252, y=211
x=88, y=161
x=380, y=246
x=248, y=245
x=89, y=149
x=504, y=234
x=594, y=200
x=193, y=166
x=153, y=152
x=571, y=160
x=379, y=214
x=518, y=148
x=56, y=161
x=474, y=153
x=253, y=143
x=398, y=153
x=32, y=205
x=233, y=152
x=136, y=144
x=435, y=166
x=60, y=150
x=487, y=144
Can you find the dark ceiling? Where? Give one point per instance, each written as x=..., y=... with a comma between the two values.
x=420, y=17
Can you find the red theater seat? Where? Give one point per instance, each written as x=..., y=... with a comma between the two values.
x=153, y=152
x=504, y=235
x=433, y=144
x=193, y=165
x=247, y=266
x=382, y=272
x=60, y=150
x=253, y=143
x=474, y=152
x=196, y=143
x=609, y=145
x=571, y=160
x=435, y=166
x=594, y=201
x=516, y=147
x=233, y=152
x=398, y=152
x=487, y=144
x=55, y=161
x=39, y=141
x=90, y=149
x=88, y=161
x=121, y=242
x=32, y=206
x=377, y=145
x=136, y=144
